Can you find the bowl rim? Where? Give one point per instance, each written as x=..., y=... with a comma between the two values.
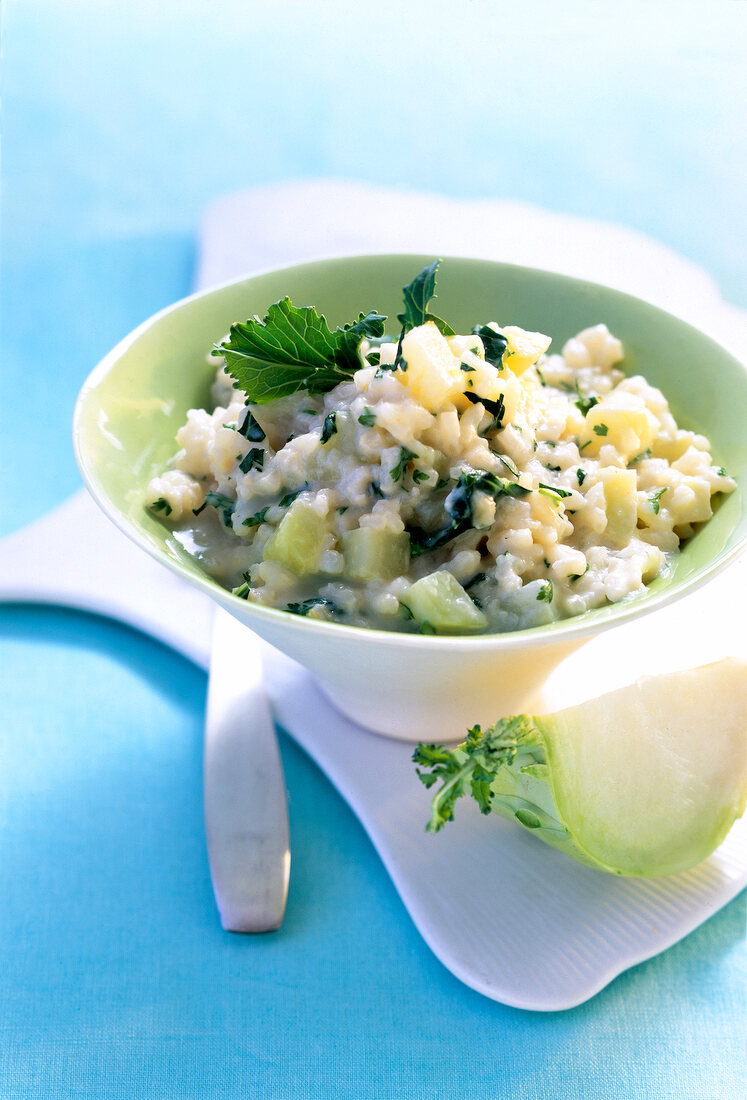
x=561, y=631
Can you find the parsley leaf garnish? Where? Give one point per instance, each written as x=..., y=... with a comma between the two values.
x=367, y=418
x=580, y=476
x=305, y=606
x=329, y=428
x=458, y=506
x=222, y=504
x=495, y=345
x=243, y=589
x=655, y=498
x=255, y=520
x=294, y=349
x=510, y=465
x=250, y=428
x=584, y=404
x=600, y=429
x=497, y=409
x=161, y=505
x=418, y=294
x=553, y=490
x=288, y=499
x=545, y=593
x=253, y=460
x=404, y=457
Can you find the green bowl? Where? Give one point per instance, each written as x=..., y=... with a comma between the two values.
x=133, y=403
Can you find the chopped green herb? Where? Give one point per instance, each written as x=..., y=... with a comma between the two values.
x=343, y=509
x=545, y=593
x=458, y=506
x=510, y=464
x=288, y=499
x=329, y=428
x=553, y=490
x=367, y=418
x=600, y=429
x=256, y=519
x=242, y=591
x=161, y=505
x=655, y=498
x=250, y=428
x=555, y=469
x=419, y=476
x=306, y=606
x=399, y=363
x=581, y=476
x=583, y=446
x=496, y=409
x=253, y=460
x=577, y=576
x=721, y=471
x=442, y=482
x=222, y=504
x=466, y=368
x=310, y=412
x=405, y=456
x=418, y=294
x=641, y=456
x=478, y=577
x=540, y=375
x=586, y=403
x=405, y=612
x=375, y=490
x=495, y=344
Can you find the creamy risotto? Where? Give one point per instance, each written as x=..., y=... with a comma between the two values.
x=449, y=484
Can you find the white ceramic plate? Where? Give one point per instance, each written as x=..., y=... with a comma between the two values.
x=505, y=913
x=508, y=915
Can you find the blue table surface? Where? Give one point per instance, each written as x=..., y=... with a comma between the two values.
x=119, y=123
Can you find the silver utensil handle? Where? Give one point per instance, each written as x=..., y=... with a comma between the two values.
x=246, y=815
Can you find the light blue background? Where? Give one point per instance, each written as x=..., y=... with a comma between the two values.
x=119, y=123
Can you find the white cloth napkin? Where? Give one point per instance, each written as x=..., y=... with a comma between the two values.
x=270, y=226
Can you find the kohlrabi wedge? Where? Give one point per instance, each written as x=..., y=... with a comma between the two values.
x=646, y=780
